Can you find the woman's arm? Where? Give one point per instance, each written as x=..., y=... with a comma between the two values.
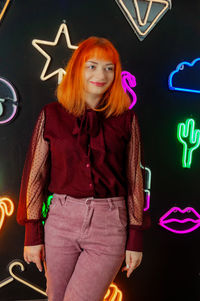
x=135, y=200
x=34, y=186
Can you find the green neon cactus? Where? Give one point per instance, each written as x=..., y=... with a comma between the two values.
x=190, y=138
x=45, y=207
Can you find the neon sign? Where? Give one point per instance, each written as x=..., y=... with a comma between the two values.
x=45, y=207
x=12, y=277
x=128, y=82
x=143, y=15
x=60, y=72
x=3, y=8
x=181, y=68
x=8, y=101
x=113, y=293
x=190, y=138
x=190, y=224
x=6, y=208
x=147, y=186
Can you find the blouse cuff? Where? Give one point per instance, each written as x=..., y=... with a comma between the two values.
x=135, y=240
x=34, y=233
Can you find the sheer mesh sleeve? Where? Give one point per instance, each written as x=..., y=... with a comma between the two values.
x=34, y=184
x=135, y=199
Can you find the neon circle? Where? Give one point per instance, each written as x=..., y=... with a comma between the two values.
x=12, y=95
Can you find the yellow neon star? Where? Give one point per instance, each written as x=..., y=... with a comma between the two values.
x=4, y=9
x=61, y=72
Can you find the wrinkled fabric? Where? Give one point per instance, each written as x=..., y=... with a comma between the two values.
x=82, y=156
x=93, y=240
x=88, y=129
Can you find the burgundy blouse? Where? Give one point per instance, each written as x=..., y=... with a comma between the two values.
x=82, y=156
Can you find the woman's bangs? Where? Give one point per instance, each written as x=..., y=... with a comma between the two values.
x=101, y=53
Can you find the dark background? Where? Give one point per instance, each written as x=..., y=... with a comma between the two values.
x=170, y=269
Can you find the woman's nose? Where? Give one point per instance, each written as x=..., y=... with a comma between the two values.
x=100, y=74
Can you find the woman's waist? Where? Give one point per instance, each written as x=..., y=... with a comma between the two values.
x=118, y=200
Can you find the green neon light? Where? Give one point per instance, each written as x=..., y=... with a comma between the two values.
x=190, y=138
x=45, y=207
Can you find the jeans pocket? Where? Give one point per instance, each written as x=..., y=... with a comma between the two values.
x=116, y=219
x=122, y=216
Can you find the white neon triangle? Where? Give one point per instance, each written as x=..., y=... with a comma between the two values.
x=146, y=15
x=141, y=21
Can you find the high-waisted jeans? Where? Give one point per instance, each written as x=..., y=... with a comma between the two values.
x=84, y=246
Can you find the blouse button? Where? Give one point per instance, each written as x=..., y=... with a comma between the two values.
x=90, y=185
x=87, y=165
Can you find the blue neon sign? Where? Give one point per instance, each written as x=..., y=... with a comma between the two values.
x=180, y=68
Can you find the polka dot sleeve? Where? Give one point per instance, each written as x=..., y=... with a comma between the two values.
x=35, y=176
x=135, y=199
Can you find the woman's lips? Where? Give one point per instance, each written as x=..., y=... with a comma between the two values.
x=98, y=84
x=190, y=223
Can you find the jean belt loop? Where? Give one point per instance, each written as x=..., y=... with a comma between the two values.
x=111, y=204
x=88, y=201
x=63, y=199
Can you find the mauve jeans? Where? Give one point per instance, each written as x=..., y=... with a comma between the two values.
x=84, y=246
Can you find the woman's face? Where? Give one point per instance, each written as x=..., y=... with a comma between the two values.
x=98, y=76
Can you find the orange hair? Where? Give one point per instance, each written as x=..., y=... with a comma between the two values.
x=70, y=91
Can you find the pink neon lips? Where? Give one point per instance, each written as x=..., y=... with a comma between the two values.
x=98, y=84
x=190, y=223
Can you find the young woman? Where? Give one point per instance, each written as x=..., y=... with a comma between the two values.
x=85, y=149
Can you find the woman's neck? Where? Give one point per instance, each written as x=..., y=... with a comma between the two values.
x=92, y=101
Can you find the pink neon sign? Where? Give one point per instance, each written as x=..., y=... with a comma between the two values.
x=128, y=82
x=147, y=204
x=166, y=219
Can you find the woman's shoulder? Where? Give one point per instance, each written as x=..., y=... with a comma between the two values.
x=128, y=115
x=54, y=105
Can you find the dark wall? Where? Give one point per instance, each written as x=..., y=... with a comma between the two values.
x=170, y=267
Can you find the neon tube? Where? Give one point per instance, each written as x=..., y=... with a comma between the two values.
x=165, y=220
x=128, y=82
x=60, y=72
x=15, y=101
x=190, y=138
x=180, y=68
x=140, y=26
x=6, y=208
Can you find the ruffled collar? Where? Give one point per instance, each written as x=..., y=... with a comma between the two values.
x=89, y=131
x=88, y=123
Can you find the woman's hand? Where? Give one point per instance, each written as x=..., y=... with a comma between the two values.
x=133, y=260
x=34, y=254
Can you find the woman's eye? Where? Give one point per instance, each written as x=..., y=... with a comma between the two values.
x=91, y=66
x=109, y=68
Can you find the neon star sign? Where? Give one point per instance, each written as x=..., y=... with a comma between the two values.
x=180, y=69
x=190, y=138
x=172, y=223
x=143, y=15
x=3, y=8
x=36, y=43
x=129, y=82
x=6, y=209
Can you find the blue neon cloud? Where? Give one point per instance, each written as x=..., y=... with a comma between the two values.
x=179, y=68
